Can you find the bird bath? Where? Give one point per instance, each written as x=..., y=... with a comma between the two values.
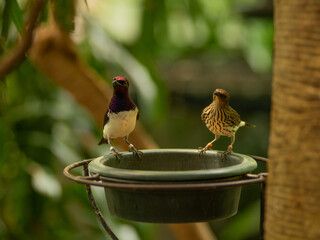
x=172, y=185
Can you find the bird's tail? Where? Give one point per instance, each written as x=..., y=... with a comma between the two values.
x=102, y=141
x=245, y=124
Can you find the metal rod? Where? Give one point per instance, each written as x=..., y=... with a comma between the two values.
x=96, y=208
x=258, y=158
x=100, y=181
x=262, y=208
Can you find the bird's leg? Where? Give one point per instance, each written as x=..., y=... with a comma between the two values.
x=208, y=146
x=113, y=150
x=132, y=148
x=229, y=150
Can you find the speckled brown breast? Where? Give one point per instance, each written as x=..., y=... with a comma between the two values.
x=221, y=121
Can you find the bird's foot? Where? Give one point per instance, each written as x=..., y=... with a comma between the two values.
x=224, y=154
x=135, y=151
x=202, y=151
x=114, y=152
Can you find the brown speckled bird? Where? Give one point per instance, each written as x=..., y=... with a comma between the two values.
x=221, y=119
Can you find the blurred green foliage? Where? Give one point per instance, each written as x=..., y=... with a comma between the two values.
x=42, y=129
x=63, y=13
x=12, y=12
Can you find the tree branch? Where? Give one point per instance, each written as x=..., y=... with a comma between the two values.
x=14, y=58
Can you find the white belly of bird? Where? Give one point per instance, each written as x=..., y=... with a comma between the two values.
x=120, y=124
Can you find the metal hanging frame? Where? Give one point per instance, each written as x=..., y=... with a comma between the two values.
x=100, y=181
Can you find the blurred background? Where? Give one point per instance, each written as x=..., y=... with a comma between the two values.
x=175, y=53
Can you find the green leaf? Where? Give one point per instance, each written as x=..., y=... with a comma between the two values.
x=5, y=20
x=11, y=12
x=64, y=12
x=5, y=26
x=16, y=15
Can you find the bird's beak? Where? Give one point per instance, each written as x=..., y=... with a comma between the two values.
x=120, y=83
x=116, y=82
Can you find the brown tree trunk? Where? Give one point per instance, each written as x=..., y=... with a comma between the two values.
x=293, y=186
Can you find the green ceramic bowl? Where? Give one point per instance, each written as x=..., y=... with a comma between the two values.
x=172, y=166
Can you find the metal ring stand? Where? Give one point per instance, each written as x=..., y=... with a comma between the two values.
x=96, y=180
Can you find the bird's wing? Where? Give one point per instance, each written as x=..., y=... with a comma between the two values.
x=106, y=117
x=204, y=114
x=102, y=141
x=106, y=120
x=233, y=118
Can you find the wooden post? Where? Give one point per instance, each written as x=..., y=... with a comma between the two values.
x=293, y=185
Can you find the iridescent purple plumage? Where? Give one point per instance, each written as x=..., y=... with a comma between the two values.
x=120, y=118
x=120, y=103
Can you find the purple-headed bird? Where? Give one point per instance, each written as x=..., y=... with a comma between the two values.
x=121, y=116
